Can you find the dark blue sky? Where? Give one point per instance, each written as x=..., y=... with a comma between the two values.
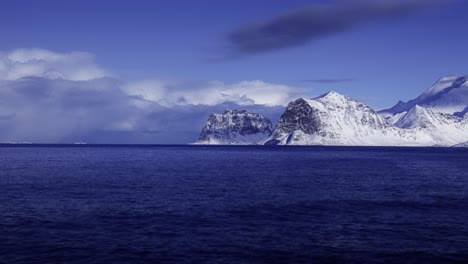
x=379, y=61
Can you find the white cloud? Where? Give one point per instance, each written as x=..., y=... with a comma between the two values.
x=75, y=66
x=80, y=66
x=65, y=97
x=213, y=92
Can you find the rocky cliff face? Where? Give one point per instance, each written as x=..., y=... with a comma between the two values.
x=298, y=116
x=235, y=127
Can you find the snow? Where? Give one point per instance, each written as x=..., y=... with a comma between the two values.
x=345, y=121
x=442, y=84
x=448, y=95
x=336, y=119
x=392, y=119
x=444, y=129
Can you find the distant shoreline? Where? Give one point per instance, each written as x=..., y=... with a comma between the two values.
x=96, y=145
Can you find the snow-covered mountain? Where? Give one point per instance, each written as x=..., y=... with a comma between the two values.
x=448, y=95
x=335, y=119
x=235, y=127
x=444, y=129
x=436, y=118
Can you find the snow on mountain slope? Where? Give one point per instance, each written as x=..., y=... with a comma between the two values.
x=392, y=119
x=335, y=119
x=448, y=95
x=445, y=129
x=235, y=127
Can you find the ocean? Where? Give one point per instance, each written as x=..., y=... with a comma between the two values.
x=232, y=204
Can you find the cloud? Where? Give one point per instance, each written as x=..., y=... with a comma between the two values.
x=214, y=92
x=317, y=21
x=42, y=110
x=328, y=81
x=75, y=66
x=49, y=97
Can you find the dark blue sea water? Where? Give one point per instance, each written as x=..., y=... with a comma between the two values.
x=195, y=204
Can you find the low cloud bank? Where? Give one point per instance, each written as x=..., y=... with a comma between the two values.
x=48, y=97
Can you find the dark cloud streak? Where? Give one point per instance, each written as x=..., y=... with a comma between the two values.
x=317, y=21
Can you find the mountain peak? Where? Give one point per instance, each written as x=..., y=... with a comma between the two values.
x=417, y=116
x=333, y=97
x=444, y=84
x=444, y=129
x=449, y=78
x=330, y=94
x=400, y=103
x=418, y=108
x=448, y=95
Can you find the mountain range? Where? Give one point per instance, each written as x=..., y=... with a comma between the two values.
x=435, y=118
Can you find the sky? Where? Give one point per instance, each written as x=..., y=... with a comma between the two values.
x=126, y=66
